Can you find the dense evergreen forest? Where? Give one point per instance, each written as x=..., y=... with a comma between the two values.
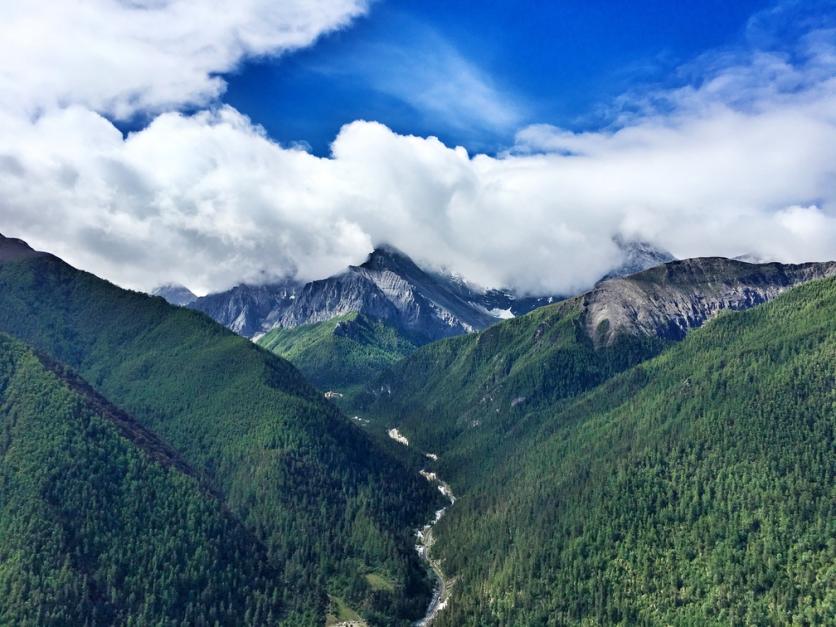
x=696, y=487
x=475, y=395
x=341, y=353
x=333, y=511
x=100, y=524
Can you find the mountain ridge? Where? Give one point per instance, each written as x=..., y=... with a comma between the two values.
x=457, y=388
x=692, y=488
x=96, y=512
x=669, y=299
x=305, y=480
x=424, y=304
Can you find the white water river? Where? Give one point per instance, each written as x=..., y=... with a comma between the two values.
x=424, y=536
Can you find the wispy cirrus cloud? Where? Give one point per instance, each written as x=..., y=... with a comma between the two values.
x=428, y=73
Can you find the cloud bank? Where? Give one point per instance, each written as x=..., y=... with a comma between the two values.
x=741, y=161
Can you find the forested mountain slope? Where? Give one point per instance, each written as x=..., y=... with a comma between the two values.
x=101, y=523
x=327, y=504
x=462, y=395
x=695, y=488
x=345, y=351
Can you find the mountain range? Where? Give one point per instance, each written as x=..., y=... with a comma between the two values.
x=346, y=328
x=656, y=450
x=422, y=304
x=178, y=466
x=640, y=482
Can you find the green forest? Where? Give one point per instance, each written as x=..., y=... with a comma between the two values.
x=97, y=527
x=473, y=396
x=342, y=353
x=156, y=468
x=328, y=506
x=693, y=488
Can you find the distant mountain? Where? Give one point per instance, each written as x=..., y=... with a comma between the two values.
x=636, y=256
x=389, y=287
x=175, y=294
x=400, y=305
x=501, y=304
x=248, y=310
x=668, y=300
x=422, y=304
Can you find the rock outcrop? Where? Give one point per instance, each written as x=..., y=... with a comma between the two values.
x=668, y=300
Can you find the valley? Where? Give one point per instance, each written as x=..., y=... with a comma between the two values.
x=633, y=463
x=425, y=540
x=598, y=446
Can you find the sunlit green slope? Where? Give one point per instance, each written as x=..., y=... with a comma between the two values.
x=695, y=488
x=328, y=505
x=340, y=353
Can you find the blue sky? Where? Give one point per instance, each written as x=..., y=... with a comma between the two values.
x=416, y=66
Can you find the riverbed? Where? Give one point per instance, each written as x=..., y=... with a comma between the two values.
x=424, y=538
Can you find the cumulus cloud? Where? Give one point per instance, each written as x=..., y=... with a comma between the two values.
x=121, y=57
x=741, y=161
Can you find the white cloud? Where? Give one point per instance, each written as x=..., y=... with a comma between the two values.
x=743, y=161
x=120, y=57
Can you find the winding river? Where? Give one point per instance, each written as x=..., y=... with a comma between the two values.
x=424, y=537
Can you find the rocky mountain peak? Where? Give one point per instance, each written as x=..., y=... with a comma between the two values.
x=667, y=300
x=175, y=294
x=387, y=257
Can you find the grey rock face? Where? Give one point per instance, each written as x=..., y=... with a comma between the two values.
x=248, y=309
x=175, y=294
x=389, y=286
x=668, y=300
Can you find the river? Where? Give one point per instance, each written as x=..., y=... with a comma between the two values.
x=424, y=536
